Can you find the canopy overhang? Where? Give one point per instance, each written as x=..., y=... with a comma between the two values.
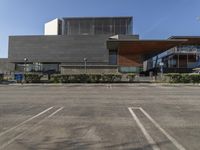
x=143, y=47
x=134, y=52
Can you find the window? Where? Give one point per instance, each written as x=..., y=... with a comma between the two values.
x=113, y=57
x=59, y=29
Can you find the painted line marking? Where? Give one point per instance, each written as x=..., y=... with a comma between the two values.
x=144, y=131
x=55, y=112
x=1, y=134
x=173, y=140
x=23, y=133
x=108, y=86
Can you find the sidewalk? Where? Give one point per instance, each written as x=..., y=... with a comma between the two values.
x=101, y=84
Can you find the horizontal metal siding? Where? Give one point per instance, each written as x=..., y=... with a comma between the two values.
x=58, y=48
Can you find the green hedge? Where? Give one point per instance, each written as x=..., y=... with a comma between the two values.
x=130, y=77
x=111, y=78
x=1, y=77
x=183, y=78
x=87, y=78
x=33, y=78
x=195, y=78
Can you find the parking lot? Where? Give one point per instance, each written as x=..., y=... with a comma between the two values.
x=82, y=117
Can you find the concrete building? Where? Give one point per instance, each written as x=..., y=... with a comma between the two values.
x=53, y=27
x=98, y=44
x=181, y=58
x=5, y=66
x=68, y=41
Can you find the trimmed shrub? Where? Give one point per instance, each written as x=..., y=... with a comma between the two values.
x=86, y=78
x=60, y=78
x=195, y=78
x=130, y=77
x=1, y=77
x=95, y=78
x=183, y=78
x=64, y=78
x=111, y=78
x=82, y=78
x=174, y=77
x=56, y=79
x=33, y=78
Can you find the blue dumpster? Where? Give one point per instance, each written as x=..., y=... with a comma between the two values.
x=19, y=77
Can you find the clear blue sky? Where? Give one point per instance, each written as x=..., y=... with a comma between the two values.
x=153, y=19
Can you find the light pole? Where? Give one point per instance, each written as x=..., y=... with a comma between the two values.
x=85, y=62
x=25, y=69
x=161, y=68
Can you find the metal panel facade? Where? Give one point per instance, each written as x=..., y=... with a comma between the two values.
x=98, y=25
x=66, y=49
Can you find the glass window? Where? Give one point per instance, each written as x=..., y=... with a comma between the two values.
x=113, y=57
x=86, y=27
x=92, y=26
x=59, y=29
x=73, y=27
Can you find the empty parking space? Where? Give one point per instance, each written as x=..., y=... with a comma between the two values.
x=156, y=136
x=13, y=114
x=143, y=117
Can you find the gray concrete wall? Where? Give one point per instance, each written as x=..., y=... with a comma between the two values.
x=68, y=49
x=90, y=69
x=6, y=66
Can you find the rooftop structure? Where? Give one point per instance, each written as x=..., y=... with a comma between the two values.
x=90, y=26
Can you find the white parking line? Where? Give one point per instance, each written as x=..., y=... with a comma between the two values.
x=144, y=131
x=55, y=112
x=173, y=140
x=2, y=133
x=18, y=136
x=108, y=86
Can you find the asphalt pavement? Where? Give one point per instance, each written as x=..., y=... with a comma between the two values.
x=99, y=117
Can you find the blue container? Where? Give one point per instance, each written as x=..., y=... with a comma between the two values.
x=18, y=77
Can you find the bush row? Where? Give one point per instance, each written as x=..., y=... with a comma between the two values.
x=87, y=78
x=33, y=78
x=91, y=78
x=79, y=78
x=1, y=77
x=183, y=78
x=130, y=77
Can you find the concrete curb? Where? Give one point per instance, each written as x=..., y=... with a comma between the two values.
x=104, y=84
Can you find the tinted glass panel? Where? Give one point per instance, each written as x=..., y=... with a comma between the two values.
x=93, y=26
x=113, y=57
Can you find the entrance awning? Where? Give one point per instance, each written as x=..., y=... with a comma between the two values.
x=134, y=52
x=143, y=47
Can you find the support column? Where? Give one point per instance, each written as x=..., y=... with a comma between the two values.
x=178, y=61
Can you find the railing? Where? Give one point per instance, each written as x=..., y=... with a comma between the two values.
x=183, y=50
